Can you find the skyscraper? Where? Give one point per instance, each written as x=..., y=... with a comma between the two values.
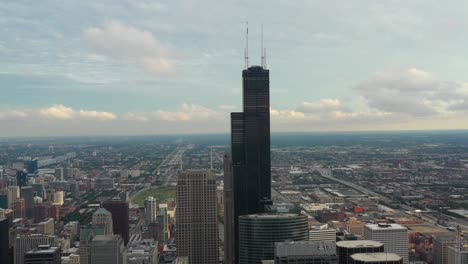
x=26, y=243
x=250, y=148
x=150, y=210
x=120, y=217
x=259, y=232
x=347, y=248
x=103, y=218
x=197, y=228
x=108, y=250
x=13, y=194
x=314, y=252
x=44, y=254
x=19, y=208
x=393, y=236
x=4, y=201
x=4, y=239
x=228, y=211
x=441, y=244
x=27, y=194
x=21, y=178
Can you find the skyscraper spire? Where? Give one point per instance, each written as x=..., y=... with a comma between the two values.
x=263, y=50
x=246, y=49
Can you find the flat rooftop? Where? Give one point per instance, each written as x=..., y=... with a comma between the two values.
x=385, y=227
x=358, y=244
x=373, y=257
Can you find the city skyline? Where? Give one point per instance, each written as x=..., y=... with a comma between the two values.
x=139, y=68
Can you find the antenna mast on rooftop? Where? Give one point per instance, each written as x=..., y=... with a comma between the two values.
x=263, y=50
x=246, y=49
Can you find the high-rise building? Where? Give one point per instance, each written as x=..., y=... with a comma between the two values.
x=250, y=148
x=39, y=212
x=259, y=232
x=13, y=194
x=197, y=228
x=150, y=210
x=4, y=240
x=87, y=233
x=228, y=211
x=108, y=250
x=457, y=255
x=27, y=194
x=44, y=254
x=46, y=227
x=21, y=178
x=393, y=236
x=58, y=197
x=440, y=248
x=376, y=258
x=4, y=201
x=19, y=208
x=164, y=222
x=24, y=244
x=347, y=248
x=32, y=166
x=120, y=217
x=38, y=189
x=103, y=218
x=58, y=174
x=306, y=252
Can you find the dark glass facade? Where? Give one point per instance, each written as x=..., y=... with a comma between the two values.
x=120, y=217
x=258, y=234
x=4, y=239
x=347, y=248
x=250, y=147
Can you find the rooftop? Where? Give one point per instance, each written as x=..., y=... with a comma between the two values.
x=373, y=257
x=385, y=226
x=358, y=244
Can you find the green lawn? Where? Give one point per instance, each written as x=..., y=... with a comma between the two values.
x=161, y=193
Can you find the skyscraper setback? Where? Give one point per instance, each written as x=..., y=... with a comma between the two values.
x=250, y=150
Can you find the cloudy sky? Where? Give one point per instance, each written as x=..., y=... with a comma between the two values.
x=157, y=67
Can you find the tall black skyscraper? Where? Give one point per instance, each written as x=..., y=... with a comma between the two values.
x=250, y=147
x=4, y=238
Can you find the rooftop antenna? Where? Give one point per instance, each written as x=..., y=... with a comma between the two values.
x=246, y=49
x=211, y=158
x=262, y=50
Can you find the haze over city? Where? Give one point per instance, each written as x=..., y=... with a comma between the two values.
x=145, y=67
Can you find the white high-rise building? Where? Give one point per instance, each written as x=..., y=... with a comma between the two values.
x=24, y=244
x=322, y=234
x=393, y=236
x=12, y=194
x=150, y=210
x=457, y=255
x=103, y=218
x=58, y=198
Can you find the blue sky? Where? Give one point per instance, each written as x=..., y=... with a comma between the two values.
x=157, y=67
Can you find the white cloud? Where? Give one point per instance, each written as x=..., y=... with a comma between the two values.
x=59, y=111
x=323, y=105
x=64, y=113
x=186, y=112
x=127, y=43
x=13, y=114
x=412, y=91
x=97, y=115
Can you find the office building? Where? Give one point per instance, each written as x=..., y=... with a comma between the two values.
x=71, y=259
x=44, y=254
x=32, y=166
x=457, y=255
x=228, y=211
x=58, y=198
x=305, y=252
x=19, y=208
x=164, y=222
x=21, y=178
x=46, y=227
x=38, y=189
x=347, y=248
x=355, y=227
x=393, y=236
x=4, y=201
x=39, y=212
x=87, y=233
x=322, y=234
x=259, y=232
x=197, y=225
x=4, y=241
x=103, y=218
x=13, y=194
x=151, y=210
x=24, y=244
x=376, y=258
x=120, y=217
x=58, y=174
x=440, y=248
x=250, y=148
x=27, y=193
x=109, y=249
